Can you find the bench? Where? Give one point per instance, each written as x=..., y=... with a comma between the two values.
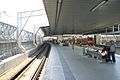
x=92, y=53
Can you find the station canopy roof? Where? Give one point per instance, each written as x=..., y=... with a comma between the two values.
x=77, y=17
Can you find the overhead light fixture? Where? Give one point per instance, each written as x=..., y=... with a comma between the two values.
x=98, y=5
x=59, y=1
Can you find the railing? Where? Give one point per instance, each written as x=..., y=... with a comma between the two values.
x=8, y=41
x=28, y=45
x=10, y=48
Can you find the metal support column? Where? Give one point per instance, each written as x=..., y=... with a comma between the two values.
x=34, y=35
x=113, y=29
x=106, y=30
x=118, y=27
x=19, y=24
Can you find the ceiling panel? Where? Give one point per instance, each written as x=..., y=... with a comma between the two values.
x=74, y=16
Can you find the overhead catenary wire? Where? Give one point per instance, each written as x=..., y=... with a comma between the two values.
x=25, y=24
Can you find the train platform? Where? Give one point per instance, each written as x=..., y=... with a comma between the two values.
x=67, y=64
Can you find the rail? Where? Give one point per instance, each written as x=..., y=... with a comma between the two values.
x=32, y=70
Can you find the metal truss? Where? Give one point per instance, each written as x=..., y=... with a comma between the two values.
x=7, y=32
x=27, y=36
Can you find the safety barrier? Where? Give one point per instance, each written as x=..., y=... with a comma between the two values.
x=8, y=49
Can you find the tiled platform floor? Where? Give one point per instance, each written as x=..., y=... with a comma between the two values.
x=66, y=64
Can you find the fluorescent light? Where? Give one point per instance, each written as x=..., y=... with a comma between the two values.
x=99, y=5
x=59, y=1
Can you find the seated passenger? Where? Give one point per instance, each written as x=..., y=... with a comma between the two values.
x=106, y=54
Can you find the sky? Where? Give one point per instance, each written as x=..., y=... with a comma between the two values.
x=10, y=8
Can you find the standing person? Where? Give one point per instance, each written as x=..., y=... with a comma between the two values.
x=113, y=50
x=73, y=43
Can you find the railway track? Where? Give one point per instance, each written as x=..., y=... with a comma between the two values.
x=32, y=70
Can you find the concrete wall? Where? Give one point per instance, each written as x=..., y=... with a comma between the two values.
x=13, y=61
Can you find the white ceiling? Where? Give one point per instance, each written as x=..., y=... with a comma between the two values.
x=74, y=16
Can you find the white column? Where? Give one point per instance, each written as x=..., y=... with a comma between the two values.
x=98, y=39
x=60, y=38
x=113, y=29
x=19, y=24
x=34, y=35
x=119, y=27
